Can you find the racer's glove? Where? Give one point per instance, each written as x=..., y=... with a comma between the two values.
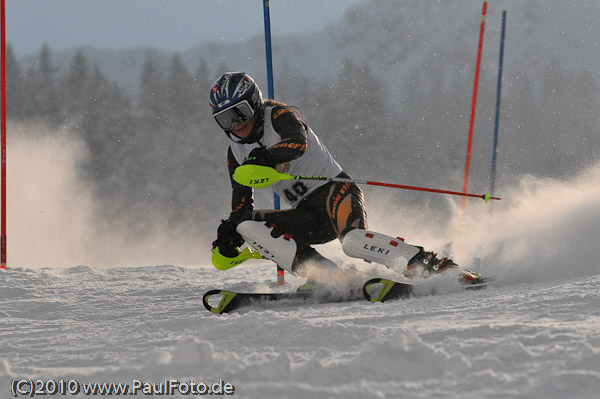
x=228, y=239
x=260, y=156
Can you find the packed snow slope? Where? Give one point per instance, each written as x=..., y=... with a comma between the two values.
x=535, y=333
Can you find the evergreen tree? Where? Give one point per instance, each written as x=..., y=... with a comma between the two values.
x=107, y=125
x=42, y=91
x=15, y=86
x=180, y=93
x=75, y=90
x=202, y=83
x=356, y=111
x=152, y=99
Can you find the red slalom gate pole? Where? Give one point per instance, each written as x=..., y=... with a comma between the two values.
x=271, y=88
x=3, y=127
x=473, y=105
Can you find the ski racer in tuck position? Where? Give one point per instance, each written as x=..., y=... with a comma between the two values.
x=272, y=134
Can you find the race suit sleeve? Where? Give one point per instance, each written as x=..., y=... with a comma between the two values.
x=242, y=197
x=292, y=132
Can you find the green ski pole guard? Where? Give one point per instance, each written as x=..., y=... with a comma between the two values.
x=258, y=176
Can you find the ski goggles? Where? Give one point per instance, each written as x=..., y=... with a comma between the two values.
x=238, y=113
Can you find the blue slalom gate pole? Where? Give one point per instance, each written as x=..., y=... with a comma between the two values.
x=268, y=49
x=271, y=94
x=269, y=54
x=498, y=95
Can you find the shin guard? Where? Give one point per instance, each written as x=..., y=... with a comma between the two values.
x=377, y=247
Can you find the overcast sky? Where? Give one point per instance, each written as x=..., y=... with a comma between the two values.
x=166, y=24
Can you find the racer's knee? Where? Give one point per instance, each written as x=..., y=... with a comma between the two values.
x=279, y=248
x=289, y=253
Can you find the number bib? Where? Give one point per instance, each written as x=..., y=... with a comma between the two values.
x=316, y=161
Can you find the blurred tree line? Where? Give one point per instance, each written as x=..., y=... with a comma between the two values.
x=149, y=154
x=157, y=151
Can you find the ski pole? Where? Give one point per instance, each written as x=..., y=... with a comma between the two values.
x=258, y=176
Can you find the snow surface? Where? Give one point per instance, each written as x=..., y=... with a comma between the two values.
x=534, y=334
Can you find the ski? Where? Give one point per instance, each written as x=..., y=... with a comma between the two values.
x=390, y=289
x=374, y=290
x=224, y=301
x=231, y=300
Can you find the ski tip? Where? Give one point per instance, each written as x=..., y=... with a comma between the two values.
x=224, y=302
x=388, y=290
x=367, y=289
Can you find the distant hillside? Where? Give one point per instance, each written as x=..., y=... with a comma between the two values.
x=394, y=38
x=389, y=87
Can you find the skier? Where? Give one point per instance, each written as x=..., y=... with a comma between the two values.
x=269, y=133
